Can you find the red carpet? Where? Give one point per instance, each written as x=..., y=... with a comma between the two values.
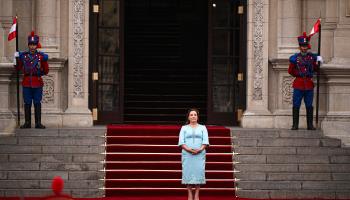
x=144, y=161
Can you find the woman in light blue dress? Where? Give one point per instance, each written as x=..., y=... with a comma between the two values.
x=193, y=139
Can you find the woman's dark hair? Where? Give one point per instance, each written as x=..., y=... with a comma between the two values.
x=188, y=114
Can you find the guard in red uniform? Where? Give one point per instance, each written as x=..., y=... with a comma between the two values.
x=302, y=66
x=33, y=64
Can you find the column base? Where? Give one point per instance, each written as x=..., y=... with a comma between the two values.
x=8, y=123
x=257, y=119
x=337, y=126
x=50, y=118
x=77, y=118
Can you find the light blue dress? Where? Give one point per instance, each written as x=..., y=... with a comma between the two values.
x=193, y=166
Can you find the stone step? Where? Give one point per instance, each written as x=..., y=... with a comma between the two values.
x=60, y=141
x=288, y=176
x=290, y=164
x=293, y=194
x=49, y=166
x=41, y=192
x=68, y=184
x=288, y=159
x=20, y=149
x=286, y=142
x=289, y=168
x=275, y=133
x=303, y=176
x=95, y=131
x=42, y=158
x=294, y=185
x=292, y=150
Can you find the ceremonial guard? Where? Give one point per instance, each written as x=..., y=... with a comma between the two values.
x=33, y=64
x=302, y=66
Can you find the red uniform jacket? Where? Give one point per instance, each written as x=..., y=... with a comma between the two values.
x=33, y=66
x=303, y=68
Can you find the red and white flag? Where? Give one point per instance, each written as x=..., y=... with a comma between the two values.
x=316, y=28
x=13, y=32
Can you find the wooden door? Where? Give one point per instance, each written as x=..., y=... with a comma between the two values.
x=106, y=61
x=226, y=61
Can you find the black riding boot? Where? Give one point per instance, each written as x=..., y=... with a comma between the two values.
x=38, y=124
x=27, y=116
x=295, y=119
x=309, y=118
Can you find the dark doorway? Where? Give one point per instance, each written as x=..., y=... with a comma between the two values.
x=151, y=60
x=165, y=60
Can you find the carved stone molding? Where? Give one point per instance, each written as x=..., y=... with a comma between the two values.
x=287, y=90
x=78, y=45
x=258, y=29
x=49, y=89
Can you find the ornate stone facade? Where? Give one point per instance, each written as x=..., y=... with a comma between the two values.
x=78, y=45
x=258, y=49
x=49, y=89
x=287, y=90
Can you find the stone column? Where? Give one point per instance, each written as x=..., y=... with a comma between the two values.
x=288, y=27
x=337, y=71
x=6, y=48
x=8, y=111
x=257, y=114
x=337, y=120
x=328, y=27
x=6, y=18
x=342, y=35
x=78, y=113
x=47, y=18
x=283, y=43
x=8, y=119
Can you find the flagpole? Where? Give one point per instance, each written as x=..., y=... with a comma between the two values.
x=18, y=107
x=318, y=75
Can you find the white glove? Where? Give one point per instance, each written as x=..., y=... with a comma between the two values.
x=15, y=55
x=319, y=59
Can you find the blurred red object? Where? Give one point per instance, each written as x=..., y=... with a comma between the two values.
x=57, y=187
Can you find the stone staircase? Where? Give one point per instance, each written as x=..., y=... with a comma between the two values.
x=272, y=163
x=290, y=164
x=30, y=159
